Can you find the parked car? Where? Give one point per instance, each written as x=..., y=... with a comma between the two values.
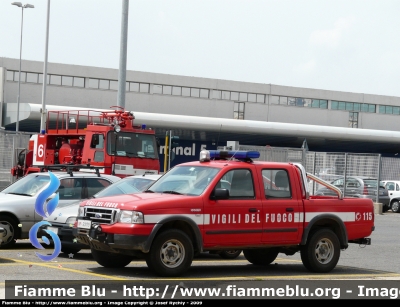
x=393, y=187
x=64, y=216
x=17, y=201
x=361, y=187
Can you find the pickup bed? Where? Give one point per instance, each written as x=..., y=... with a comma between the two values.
x=225, y=201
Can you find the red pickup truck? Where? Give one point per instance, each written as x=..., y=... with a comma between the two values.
x=225, y=201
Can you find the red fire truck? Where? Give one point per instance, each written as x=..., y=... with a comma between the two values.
x=106, y=139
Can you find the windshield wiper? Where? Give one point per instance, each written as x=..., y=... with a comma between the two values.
x=22, y=194
x=172, y=192
x=148, y=191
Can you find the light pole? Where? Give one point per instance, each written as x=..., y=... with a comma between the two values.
x=25, y=6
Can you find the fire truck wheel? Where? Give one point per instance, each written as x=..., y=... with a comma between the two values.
x=231, y=254
x=261, y=256
x=171, y=253
x=322, y=251
x=111, y=260
x=9, y=237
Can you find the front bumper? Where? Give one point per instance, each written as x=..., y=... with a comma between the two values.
x=99, y=240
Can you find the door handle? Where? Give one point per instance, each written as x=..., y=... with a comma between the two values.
x=253, y=210
x=289, y=209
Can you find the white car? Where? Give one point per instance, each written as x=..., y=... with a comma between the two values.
x=17, y=201
x=64, y=216
x=393, y=187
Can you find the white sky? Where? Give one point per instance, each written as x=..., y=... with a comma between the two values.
x=340, y=45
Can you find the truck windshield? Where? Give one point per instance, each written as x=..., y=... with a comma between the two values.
x=132, y=144
x=188, y=180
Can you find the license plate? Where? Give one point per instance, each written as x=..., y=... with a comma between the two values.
x=53, y=229
x=86, y=224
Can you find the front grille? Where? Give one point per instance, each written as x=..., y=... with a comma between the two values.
x=101, y=215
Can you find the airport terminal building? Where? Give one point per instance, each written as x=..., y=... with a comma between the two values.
x=330, y=121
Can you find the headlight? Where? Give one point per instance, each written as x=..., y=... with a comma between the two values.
x=81, y=211
x=71, y=220
x=131, y=217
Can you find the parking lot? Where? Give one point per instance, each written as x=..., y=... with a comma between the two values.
x=377, y=261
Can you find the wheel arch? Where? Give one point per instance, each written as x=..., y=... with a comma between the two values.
x=183, y=223
x=330, y=221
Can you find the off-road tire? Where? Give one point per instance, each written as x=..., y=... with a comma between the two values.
x=230, y=254
x=171, y=253
x=261, y=256
x=111, y=260
x=11, y=231
x=322, y=251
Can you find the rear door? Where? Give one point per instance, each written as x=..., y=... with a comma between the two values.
x=282, y=205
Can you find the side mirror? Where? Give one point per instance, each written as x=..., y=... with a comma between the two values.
x=220, y=194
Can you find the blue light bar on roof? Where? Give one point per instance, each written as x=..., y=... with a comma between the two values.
x=207, y=155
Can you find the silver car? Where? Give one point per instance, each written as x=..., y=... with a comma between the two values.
x=17, y=201
x=63, y=218
x=361, y=187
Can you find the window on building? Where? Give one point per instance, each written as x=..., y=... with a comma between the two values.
x=307, y=102
x=353, y=119
x=234, y=96
x=238, y=110
x=242, y=96
x=260, y=98
x=204, y=93
x=114, y=85
x=283, y=100
x=104, y=84
x=55, y=79
x=10, y=75
x=93, y=83
x=23, y=76
x=274, y=99
x=79, y=82
x=144, y=87
x=176, y=91
x=226, y=95
x=32, y=77
x=167, y=89
x=349, y=106
x=291, y=101
x=66, y=80
x=133, y=86
x=157, y=89
x=299, y=102
x=216, y=94
x=251, y=97
x=195, y=92
x=323, y=104
x=186, y=91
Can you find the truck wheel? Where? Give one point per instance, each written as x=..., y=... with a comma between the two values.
x=111, y=260
x=171, y=253
x=69, y=250
x=231, y=254
x=261, y=256
x=396, y=206
x=11, y=231
x=322, y=251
